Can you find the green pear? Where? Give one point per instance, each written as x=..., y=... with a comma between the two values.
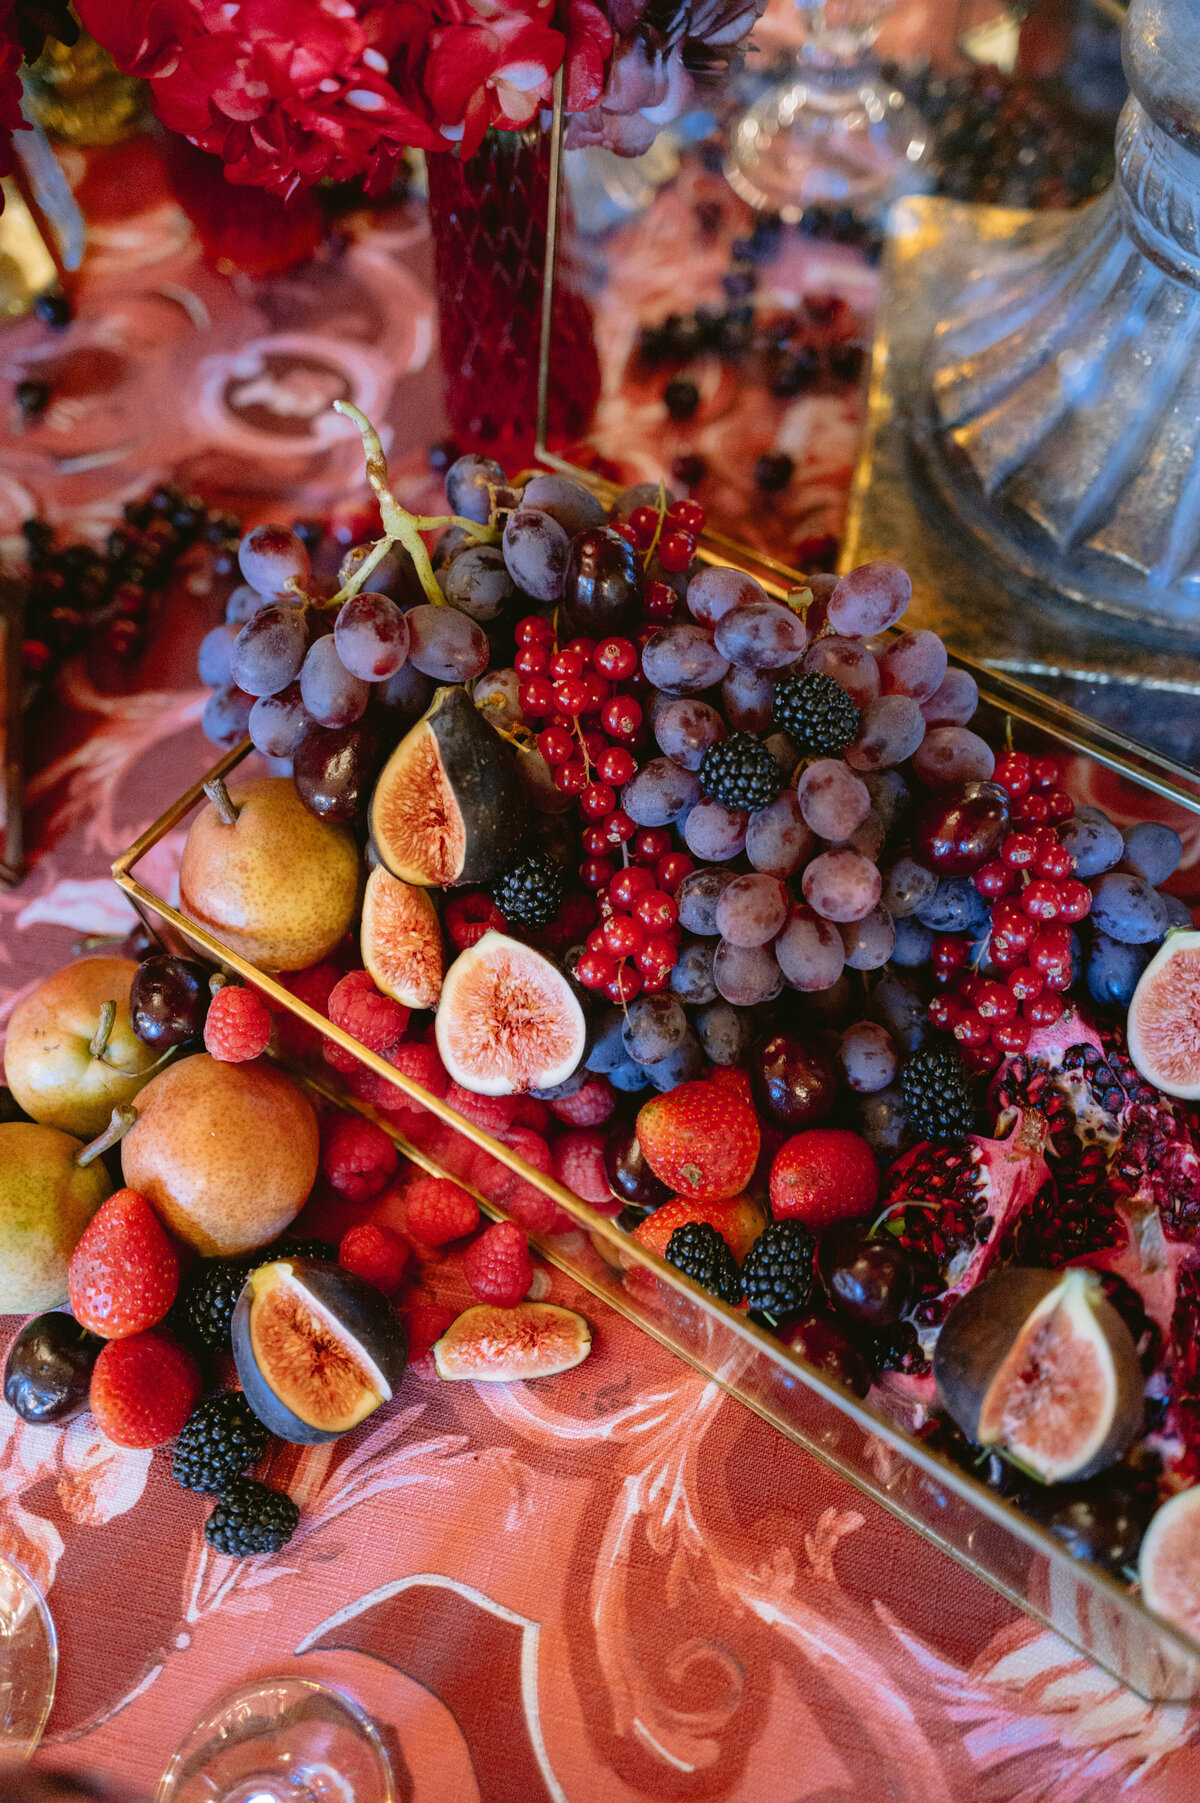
x=51, y=1185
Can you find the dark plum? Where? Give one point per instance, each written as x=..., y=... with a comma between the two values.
x=1103, y=1519
x=168, y=1000
x=793, y=1081
x=955, y=834
x=629, y=1176
x=823, y=1343
x=871, y=1280
x=333, y=769
x=49, y=1368
x=603, y=584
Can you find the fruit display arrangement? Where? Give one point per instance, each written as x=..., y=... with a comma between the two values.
x=152, y=1168
x=712, y=906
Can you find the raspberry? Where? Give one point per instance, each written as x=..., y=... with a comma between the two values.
x=579, y=1164
x=375, y=1020
x=357, y=1157
x=420, y=1062
x=727, y=1076
x=425, y=1325
x=492, y=1113
x=589, y=1106
x=469, y=917
x=143, y=1389
x=440, y=1211
x=312, y=986
x=375, y=1253
x=497, y=1265
x=530, y=1146
x=237, y=1025
x=531, y=1111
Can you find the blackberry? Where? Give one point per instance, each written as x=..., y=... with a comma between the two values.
x=898, y=1349
x=218, y=1441
x=698, y=1250
x=250, y=1518
x=936, y=1100
x=530, y=890
x=777, y=1272
x=740, y=773
x=322, y=1250
x=816, y=714
x=207, y=1296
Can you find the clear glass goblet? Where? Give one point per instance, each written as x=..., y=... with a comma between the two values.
x=28, y=1665
x=281, y=1740
x=834, y=133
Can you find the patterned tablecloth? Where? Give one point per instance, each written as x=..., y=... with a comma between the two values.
x=610, y=1585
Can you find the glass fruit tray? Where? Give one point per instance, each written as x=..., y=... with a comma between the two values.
x=1097, y=1614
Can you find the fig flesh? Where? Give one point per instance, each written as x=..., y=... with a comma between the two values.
x=1041, y=1366
x=1164, y=1018
x=449, y=806
x=1169, y=1563
x=317, y=1349
x=401, y=940
x=508, y=1020
x=502, y=1345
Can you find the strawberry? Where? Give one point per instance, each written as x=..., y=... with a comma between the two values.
x=728, y=1076
x=701, y=1138
x=124, y=1271
x=827, y=1174
x=739, y=1221
x=143, y=1389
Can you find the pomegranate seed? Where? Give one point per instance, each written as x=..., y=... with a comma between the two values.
x=534, y=631
x=1045, y=773
x=595, y=969
x=1014, y=773
x=971, y=1029
x=1040, y=901
x=1044, y=1010
x=1019, y=850
x=672, y=869
x=1012, y=1036
x=1054, y=861
x=555, y=745
x=566, y=663
x=619, y=828
x=656, y=911
x=629, y=884
x=1031, y=810
x=1074, y=900
x=994, y=1001
x=644, y=521
x=949, y=953
x=571, y=778
x=944, y=1010
x=651, y=844
x=995, y=879
x=595, y=872
x=676, y=550
x=597, y=800
x=623, y=985
x=536, y=697
x=621, y=717
x=1026, y=983
x=658, y=602
x=615, y=658
x=615, y=764
x=689, y=515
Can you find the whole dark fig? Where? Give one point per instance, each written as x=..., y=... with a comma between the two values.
x=793, y=1081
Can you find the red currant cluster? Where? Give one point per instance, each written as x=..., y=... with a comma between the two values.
x=670, y=534
x=1036, y=900
x=633, y=949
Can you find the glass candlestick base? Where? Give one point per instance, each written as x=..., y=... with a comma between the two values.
x=283, y=1740
x=28, y=1665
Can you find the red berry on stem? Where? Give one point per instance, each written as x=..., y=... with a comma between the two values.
x=995, y=879
x=970, y=1029
x=623, y=985
x=651, y=844
x=672, y=869
x=571, y=778
x=615, y=658
x=595, y=841
x=598, y=800
x=623, y=935
x=1040, y=900
x=656, y=957
x=621, y=716
x=1019, y=851
x=584, y=648
x=1044, y=1010
x=615, y=764
x=658, y=602
x=595, y=872
x=533, y=630
x=1045, y=773
x=656, y=911
x=644, y=521
x=531, y=660
x=995, y=1001
x=597, y=691
x=595, y=969
x=1012, y=1036
x=980, y=1058
x=1074, y=900
x=1026, y=983
x=1060, y=804
x=676, y=550
x=689, y=515
x=949, y=953
x=536, y=697
x=626, y=531
x=1031, y=810
x=555, y=745
x=1014, y=772
x=619, y=828
x=1054, y=861
x=566, y=663
x=944, y=1010
x=570, y=695
x=629, y=884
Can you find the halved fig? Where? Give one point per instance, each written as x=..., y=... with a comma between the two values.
x=501, y=1345
x=508, y=1020
x=1040, y=1365
x=538, y=780
x=449, y=806
x=317, y=1349
x=401, y=940
x=1169, y=1562
x=1164, y=1017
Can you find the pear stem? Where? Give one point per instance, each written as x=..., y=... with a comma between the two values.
x=220, y=797
x=122, y=1120
x=98, y=1043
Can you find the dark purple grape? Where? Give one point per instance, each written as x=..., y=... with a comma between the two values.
x=629, y=1176
x=871, y=1280
x=603, y=585
x=333, y=770
x=49, y=1368
x=823, y=1343
x=955, y=834
x=168, y=1000
x=794, y=1084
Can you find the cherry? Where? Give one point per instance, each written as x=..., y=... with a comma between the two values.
x=825, y=1345
x=871, y=1280
x=954, y=835
x=602, y=586
x=168, y=1000
x=629, y=1176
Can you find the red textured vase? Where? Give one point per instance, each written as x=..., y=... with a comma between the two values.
x=489, y=237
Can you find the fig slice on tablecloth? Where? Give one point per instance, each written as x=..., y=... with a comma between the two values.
x=501, y=1345
x=449, y=806
x=1040, y=1365
x=508, y=1020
